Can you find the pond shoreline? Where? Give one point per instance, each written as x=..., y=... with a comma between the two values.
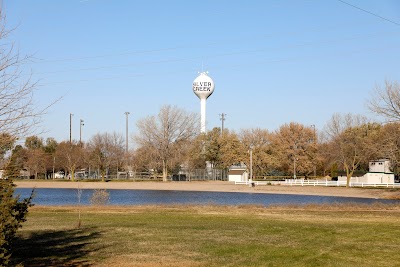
x=219, y=186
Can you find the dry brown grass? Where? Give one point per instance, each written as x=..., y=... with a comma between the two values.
x=221, y=209
x=148, y=261
x=212, y=235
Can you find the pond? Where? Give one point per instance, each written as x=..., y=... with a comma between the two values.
x=59, y=197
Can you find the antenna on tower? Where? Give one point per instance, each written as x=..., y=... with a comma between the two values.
x=222, y=118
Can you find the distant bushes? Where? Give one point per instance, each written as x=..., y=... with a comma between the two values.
x=100, y=197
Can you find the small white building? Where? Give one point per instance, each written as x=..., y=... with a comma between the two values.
x=379, y=173
x=380, y=166
x=238, y=173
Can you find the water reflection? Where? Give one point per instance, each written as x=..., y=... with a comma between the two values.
x=58, y=197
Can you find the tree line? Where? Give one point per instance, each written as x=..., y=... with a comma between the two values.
x=170, y=142
x=347, y=143
x=42, y=159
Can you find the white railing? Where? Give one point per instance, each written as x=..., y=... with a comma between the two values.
x=302, y=182
x=393, y=185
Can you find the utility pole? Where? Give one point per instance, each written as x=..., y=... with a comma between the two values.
x=70, y=127
x=222, y=118
x=315, y=141
x=54, y=163
x=294, y=160
x=80, y=131
x=126, y=134
x=251, y=163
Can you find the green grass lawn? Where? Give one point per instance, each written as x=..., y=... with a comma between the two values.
x=210, y=236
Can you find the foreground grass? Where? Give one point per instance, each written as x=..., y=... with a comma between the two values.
x=210, y=236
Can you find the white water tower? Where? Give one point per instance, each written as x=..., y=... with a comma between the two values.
x=203, y=87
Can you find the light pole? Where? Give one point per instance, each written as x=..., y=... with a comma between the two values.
x=251, y=163
x=70, y=127
x=126, y=133
x=54, y=163
x=294, y=160
x=80, y=131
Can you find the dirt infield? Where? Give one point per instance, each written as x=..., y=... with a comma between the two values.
x=220, y=186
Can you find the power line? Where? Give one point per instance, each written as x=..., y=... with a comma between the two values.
x=292, y=59
x=369, y=12
x=260, y=62
x=217, y=42
x=250, y=51
x=113, y=66
x=107, y=55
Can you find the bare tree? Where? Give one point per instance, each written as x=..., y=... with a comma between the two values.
x=70, y=156
x=386, y=101
x=18, y=114
x=170, y=128
x=348, y=139
x=106, y=150
x=35, y=162
x=50, y=149
x=116, y=143
x=145, y=159
x=386, y=144
x=261, y=142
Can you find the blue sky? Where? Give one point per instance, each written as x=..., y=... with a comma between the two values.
x=273, y=62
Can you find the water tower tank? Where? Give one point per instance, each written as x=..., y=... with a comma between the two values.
x=203, y=87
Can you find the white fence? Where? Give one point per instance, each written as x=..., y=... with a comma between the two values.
x=302, y=182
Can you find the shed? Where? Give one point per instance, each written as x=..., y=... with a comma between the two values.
x=238, y=175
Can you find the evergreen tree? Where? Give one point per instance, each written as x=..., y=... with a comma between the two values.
x=12, y=213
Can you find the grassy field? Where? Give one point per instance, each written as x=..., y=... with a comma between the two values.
x=211, y=236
